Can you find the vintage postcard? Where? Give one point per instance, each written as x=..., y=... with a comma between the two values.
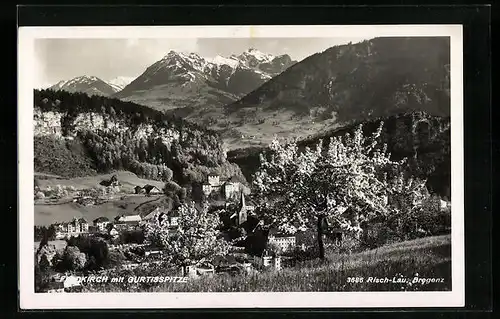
x=241, y=167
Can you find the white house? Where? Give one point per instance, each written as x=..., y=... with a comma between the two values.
x=55, y=287
x=101, y=223
x=201, y=268
x=268, y=261
x=113, y=232
x=152, y=251
x=152, y=190
x=74, y=228
x=72, y=281
x=285, y=242
x=172, y=217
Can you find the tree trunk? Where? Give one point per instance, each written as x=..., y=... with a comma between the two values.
x=320, y=237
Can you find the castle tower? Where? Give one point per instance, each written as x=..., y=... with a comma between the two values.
x=213, y=180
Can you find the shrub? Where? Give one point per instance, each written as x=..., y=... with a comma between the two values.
x=39, y=195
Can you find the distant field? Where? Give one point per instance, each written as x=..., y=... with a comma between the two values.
x=278, y=124
x=128, y=181
x=46, y=214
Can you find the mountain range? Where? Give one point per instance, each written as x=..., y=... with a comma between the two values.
x=181, y=80
x=253, y=96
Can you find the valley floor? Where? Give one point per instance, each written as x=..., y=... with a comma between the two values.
x=124, y=202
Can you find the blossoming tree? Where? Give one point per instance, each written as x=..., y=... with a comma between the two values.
x=195, y=237
x=348, y=183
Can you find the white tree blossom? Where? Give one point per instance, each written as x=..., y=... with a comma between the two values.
x=347, y=183
x=195, y=237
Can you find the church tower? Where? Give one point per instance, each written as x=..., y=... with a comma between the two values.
x=242, y=214
x=242, y=200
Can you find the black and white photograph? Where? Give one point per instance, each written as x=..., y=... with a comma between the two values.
x=241, y=166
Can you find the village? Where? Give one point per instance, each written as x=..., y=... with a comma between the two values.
x=272, y=252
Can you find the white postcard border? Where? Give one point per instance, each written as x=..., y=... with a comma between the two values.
x=26, y=67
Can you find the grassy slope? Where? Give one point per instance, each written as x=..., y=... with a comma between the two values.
x=429, y=257
x=279, y=124
x=48, y=214
x=128, y=181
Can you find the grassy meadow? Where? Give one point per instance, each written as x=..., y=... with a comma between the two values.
x=422, y=258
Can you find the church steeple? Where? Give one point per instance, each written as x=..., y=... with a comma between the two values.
x=242, y=200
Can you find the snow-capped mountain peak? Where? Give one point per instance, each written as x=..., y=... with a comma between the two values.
x=84, y=79
x=87, y=84
x=232, y=61
x=188, y=74
x=119, y=82
x=257, y=55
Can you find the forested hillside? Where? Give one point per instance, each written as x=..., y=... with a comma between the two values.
x=77, y=135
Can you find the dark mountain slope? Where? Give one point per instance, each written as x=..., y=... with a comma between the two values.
x=345, y=84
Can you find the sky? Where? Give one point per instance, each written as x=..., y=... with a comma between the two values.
x=64, y=59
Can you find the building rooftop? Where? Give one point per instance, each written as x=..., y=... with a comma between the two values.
x=128, y=218
x=150, y=187
x=276, y=233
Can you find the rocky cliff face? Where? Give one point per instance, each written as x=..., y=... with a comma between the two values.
x=50, y=124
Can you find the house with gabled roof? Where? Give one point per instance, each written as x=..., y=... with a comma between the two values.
x=139, y=190
x=127, y=222
x=152, y=190
x=132, y=219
